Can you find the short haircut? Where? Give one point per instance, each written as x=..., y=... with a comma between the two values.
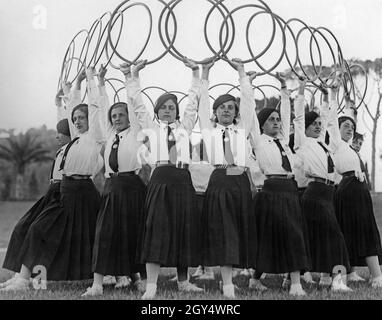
x=82, y=107
x=358, y=136
x=115, y=106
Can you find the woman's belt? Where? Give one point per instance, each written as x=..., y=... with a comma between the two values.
x=179, y=165
x=280, y=176
x=122, y=174
x=348, y=174
x=231, y=168
x=324, y=181
x=77, y=177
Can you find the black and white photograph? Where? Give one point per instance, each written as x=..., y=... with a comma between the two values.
x=223, y=151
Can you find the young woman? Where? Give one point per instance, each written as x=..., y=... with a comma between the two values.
x=326, y=241
x=228, y=197
x=12, y=260
x=170, y=226
x=353, y=203
x=61, y=239
x=121, y=212
x=278, y=217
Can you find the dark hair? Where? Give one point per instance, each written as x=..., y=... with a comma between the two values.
x=83, y=108
x=63, y=127
x=310, y=117
x=163, y=99
x=263, y=116
x=358, y=136
x=343, y=119
x=115, y=106
x=223, y=99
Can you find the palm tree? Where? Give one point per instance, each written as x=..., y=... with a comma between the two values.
x=22, y=150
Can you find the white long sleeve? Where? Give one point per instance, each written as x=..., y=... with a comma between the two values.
x=213, y=133
x=74, y=100
x=157, y=132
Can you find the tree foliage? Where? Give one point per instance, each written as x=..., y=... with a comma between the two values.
x=22, y=150
x=21, y=155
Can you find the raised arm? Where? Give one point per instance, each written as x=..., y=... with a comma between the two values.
x=247, y=101
x=299, y=121
x=285, y=109
x=333, y=128
x=204, y=102
x=255, y=131
x=189, y=117
x=104, y=102
x=96, y=114
x=59, y=102
x=73, y=101
x=134, y=94
x=324, y=113
x=125, y=68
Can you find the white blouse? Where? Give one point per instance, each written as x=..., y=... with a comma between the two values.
x=267, y=153
x=212, y=132
x=61, y=114
x=129, y=142
x=345, y=158
x=157, y=131
x=84, y=156
x=57, y=175
x=313, y=156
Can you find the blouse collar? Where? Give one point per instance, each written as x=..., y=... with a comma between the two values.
x=231, y=127
x=165, y=125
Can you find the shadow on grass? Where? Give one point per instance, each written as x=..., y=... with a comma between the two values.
x=167, y=290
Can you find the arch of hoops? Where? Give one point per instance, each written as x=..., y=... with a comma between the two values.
x=101, y=30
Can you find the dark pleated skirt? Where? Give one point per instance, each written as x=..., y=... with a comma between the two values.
x=118, y=225
x=355, y=215
x=62, y=237
x=281, y=229
x=301, y=192
x=326, y=241
x=12, y=258
x=200, y=199
x=227, y=207
x=170, y=230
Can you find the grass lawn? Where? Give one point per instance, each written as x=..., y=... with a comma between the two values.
x=11, y=212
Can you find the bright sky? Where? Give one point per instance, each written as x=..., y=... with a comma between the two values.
x=35, y=35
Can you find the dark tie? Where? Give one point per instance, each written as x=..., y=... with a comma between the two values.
x=228, y=155
x=202, y=151
x=363, y=168
x=113, y=157
x=171, y=144
x=62, y=165
x=285, y=161
x=330, y=160
x=200, y=154
x=54, y=163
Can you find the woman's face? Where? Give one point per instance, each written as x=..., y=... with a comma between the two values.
x=80, y=121
x=357, y=144
x=62, y=139
x=120, y=118
x=272, y=126
x=347, y=130
x=167, y=112
x=314, y=130
x=226, y=113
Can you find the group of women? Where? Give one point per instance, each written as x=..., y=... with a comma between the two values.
x=198, y=206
